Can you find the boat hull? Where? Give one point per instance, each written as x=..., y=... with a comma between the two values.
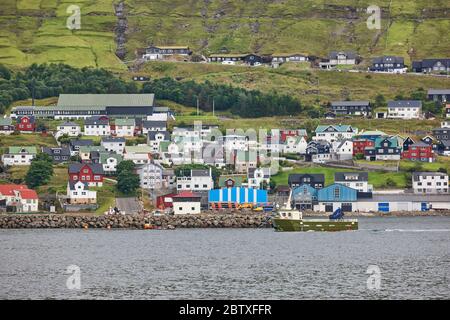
x=291, y=225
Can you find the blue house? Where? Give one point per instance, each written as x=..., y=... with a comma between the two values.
x=232, y=197
x=336, y=196
x=304, y=197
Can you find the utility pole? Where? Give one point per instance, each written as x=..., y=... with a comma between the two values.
x=198, y=106
x=214, y=108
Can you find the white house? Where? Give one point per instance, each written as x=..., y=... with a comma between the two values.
x=125, y=127
x=97, y=126
x=110, y=161
x=139, y=154
x=19, y=197
x=295, y=145
x=148, y=125
x=186, y=202
x=71, y=129
x=257, y=176
x=79, y=193
x=355, y=180
x=19, y=156
x=150, y=175
x=342, y=150
x=114, y=144
x=332, y=133
x=405, y=109
x=155, y=138
x=430, y=182
x=197, y=180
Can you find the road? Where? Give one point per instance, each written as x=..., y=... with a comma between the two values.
x=128, y=205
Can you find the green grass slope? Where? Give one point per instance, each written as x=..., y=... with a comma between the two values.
x=35, y=30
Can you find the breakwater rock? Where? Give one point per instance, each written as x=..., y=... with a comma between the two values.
x=55, y=221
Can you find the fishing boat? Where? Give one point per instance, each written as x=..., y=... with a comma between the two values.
x=289, y=220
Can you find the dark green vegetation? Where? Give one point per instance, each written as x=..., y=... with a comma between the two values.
x=40, y=171
x=127, y=181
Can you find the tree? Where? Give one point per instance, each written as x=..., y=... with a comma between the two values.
x=380, y=101
x=39, y=173
x=64, y=139
x=128, y=182
x=125, y=166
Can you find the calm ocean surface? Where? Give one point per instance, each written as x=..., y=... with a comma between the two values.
x=413, y=255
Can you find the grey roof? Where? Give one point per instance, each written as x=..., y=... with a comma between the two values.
x=81, y=142
x=152, y=134
x=316, y=177
x=154, y=124
x=388, y=59
x=69, y=124
x=439, y=91
x=360, y=176
x=389, y=197
x=416, y=175
x=429, y=63
x=349, y=103
x=420, y=144
x=96, y=121
x=97, y=168
x=405, y=104
x=110, y=100
x=113, y=139
x=72, y=185
x=349, y=54
x=200, y=173
x=63, y=151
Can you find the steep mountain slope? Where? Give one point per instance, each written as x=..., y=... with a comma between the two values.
x=35, y=30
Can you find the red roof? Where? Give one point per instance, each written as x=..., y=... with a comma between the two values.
x=25, y=193
x=187, y=194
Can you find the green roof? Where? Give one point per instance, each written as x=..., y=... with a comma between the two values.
x=339, y=128
x=393, y=140
x=105, y=155
x=102, y=100
x=138, y=149
x=238, y=180
x=18, y=150
x=87, y=149
x=5, y=121
x=246, y=156
x=164, y=146
x=125, y=122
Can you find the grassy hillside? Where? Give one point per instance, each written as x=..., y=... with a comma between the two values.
x=35, y=30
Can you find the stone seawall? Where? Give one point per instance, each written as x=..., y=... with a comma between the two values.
x=50, y=221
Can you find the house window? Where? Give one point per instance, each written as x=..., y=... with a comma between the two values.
x=337, y=192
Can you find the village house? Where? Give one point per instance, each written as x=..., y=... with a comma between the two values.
x=385, y=148
x=113, y=144
x=232, y=180
x=18, y=198
x=75, y=145
x=230, y=58
x=337, y=58
x=443, y=147
x=196, y=180
x=317, y=181
x=91, y=153
x=430, y=182
x=354, y=180
x=139, y=154
x=439, y=95
x=150, y=175
x=82, y=106
x=342, y=150
x=97, y=126
x=289, y=57
x=91, y=173
x=318, y=151
x=78, y=193
x=154, y=139
x=405, y=109
x=431, y=66
x=419, y=151
x=26, y=124
x=148, y=125
x=296, y=144
x=244, y=160
x=6, y=126
x=58, y=154
x=335, y=196
x=357, y=108
x=407, y=143
x=165, y=202
x=389, y=64
x=257, y=177
x=169, y=179
x=280, y=135
x=186, y=202
x=441, y=134
x=19, y=156
x=71, y=129
x=213, y=154
x=124, y=127
x=110, y=161
x=332, y=133
x=165, y=52
x=360, y=145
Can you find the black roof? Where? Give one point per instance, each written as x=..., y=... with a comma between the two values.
x=359, y=176
x=152, y=134
x=81, y=142
x=96, y=168
x=388, y=59
x=154, y=123
x=405, y=104
x=298, y=178
x=63, y=151
x=429, y=63
x=113, y=139
x=96, y=121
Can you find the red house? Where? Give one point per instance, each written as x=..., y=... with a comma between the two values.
x=91, y=173
x=26, y=124
x=359, y=145
x=165, y=201
x=419, y=151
